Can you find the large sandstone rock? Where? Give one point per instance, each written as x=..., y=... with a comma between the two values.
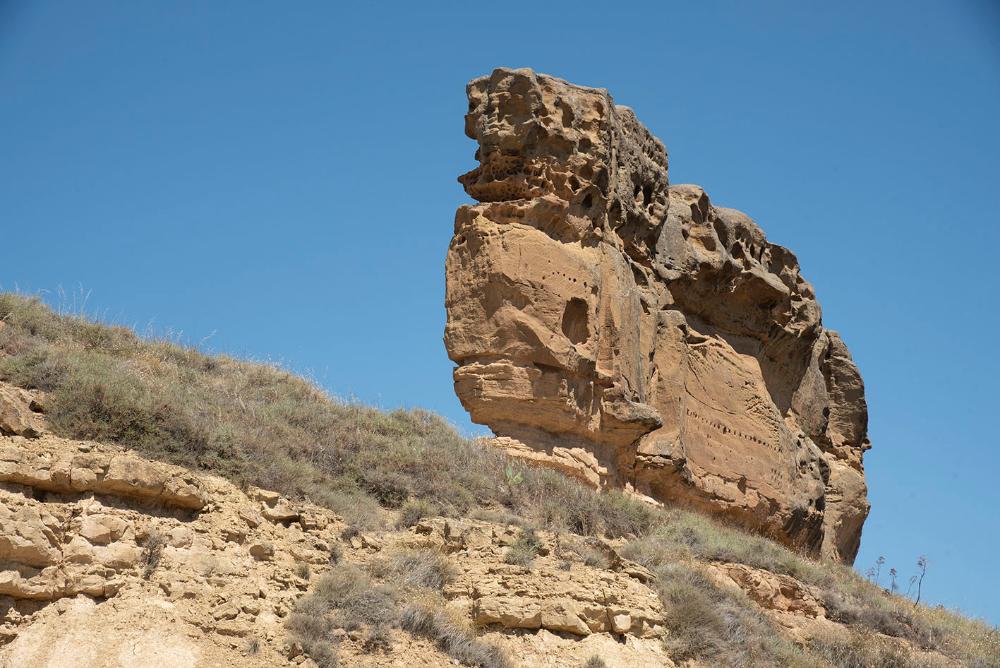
x=633, y=334
x=18, y=410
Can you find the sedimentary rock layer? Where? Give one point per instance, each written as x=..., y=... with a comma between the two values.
x=631, y=333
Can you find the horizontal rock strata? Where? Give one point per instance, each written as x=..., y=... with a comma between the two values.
x=552, y=593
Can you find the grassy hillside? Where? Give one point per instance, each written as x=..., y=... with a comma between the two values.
x=257, y=424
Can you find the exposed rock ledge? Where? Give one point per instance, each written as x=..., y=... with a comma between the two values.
x=79, y=584
x=631, y=333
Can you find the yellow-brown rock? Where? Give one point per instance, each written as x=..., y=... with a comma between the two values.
x=552, y=594
x=630, y=333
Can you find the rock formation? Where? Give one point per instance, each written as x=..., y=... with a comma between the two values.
x=631, y=333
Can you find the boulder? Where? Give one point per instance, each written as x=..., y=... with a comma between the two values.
x=630, y=333
x=18, y=410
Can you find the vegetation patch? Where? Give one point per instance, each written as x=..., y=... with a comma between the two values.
x=452, y=637
x=420, y=568
x=152, y=552
x=523, y=551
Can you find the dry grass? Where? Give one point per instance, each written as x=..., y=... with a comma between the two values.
x=864, y=649
x=451, y=637
x=524, y=550
x=683, y=537
x=348, y=598
x=717, y=626
x=418, y=568
x=152, y=552
x=415, y=510
x=258, y=424
x=344, y=598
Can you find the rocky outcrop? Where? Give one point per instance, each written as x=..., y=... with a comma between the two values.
x=629, y=332
x=19, y=411
x=108, y=559
x=554, y=593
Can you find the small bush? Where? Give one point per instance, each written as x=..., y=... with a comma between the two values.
x=451, y=637
x=323, y=653
x=625, y=517
x=524, y=550
x=595, y=662
x=343, y=598
x=413, y=511
x=252, y=646
x=377, y=639
x=591, y=556
x=355, y=600
x=302, y=570
x=152, y=551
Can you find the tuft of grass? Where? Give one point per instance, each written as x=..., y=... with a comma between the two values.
x=377, y=639
x=422, y=568
x=591, y=556
x=152, y=552
x=595, y=662
x=451, y=637
x=864, y=649
x=252, y=646
x=345, y=598
x=524, y=550
x=323, y=653
x=413, y=511
x=716, y=626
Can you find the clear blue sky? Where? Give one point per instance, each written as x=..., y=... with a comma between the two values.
x=277, y=180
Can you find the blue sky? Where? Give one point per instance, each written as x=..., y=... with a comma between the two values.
x=277, y=180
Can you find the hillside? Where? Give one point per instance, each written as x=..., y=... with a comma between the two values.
x=162, y=506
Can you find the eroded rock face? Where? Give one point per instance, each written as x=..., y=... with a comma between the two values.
x=632, y=334
x=554, y=593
